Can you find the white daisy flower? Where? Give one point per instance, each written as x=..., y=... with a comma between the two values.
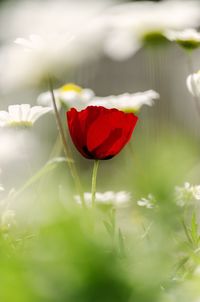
x=131, y=24
x=127, y=102
x=193, y=84
x=148, y=202
x=116, y=199
x=184, y=194
x=58, y=35
x=70, y=95
x=187, y=193
x=188, y=38
x=22, y=115
x=196, y=192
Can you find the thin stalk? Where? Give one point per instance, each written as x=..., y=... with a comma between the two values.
x=191, y=70
x=94, y=181
x=57, y=148
x=66, y=148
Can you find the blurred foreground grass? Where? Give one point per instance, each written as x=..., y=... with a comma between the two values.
x=53, y=250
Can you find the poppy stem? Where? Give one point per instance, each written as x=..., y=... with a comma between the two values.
x=94, y=181
x=66, y=148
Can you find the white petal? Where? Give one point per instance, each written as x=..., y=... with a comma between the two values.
x=25, y=112
x=196, y=192
x=37, y=112
x=70, y=97
x=87, y=95
x=23, y=42
x=34, y=42
x=122, y=197
x=121, y=45
x=45, y=99
x=107, y=102
x=127, y=101
x=37, y=41
x=15, y=112
x=189, y=34
x=105, y=197
x=193, y=84
x=4, y=118
x=142, y=203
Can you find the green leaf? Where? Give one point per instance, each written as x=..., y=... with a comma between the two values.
x=108, y=227
x=194, y=229
x=121, y=243
x=187, y=232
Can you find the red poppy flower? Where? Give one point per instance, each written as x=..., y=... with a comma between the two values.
x=100, y=133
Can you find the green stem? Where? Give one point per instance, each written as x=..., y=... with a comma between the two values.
x=57, y=148
x=94, y=181
x=67, y=150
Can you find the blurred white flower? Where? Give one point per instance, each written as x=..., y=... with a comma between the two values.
x=188, y=38
x=116, y=199
x=44, y=46
x=127, y=102
x=57, y=34
x=196, y=192
x=193, y=84
x=130, y=23
x=187, y=193
x=121, y=44
x=148, y=202
x=189, y=34
x=70, y=95
x=21, y=115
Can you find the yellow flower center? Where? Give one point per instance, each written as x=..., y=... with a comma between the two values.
x=23, y=124
x=70, y=87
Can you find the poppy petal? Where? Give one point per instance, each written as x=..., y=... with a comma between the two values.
x=100, y=133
